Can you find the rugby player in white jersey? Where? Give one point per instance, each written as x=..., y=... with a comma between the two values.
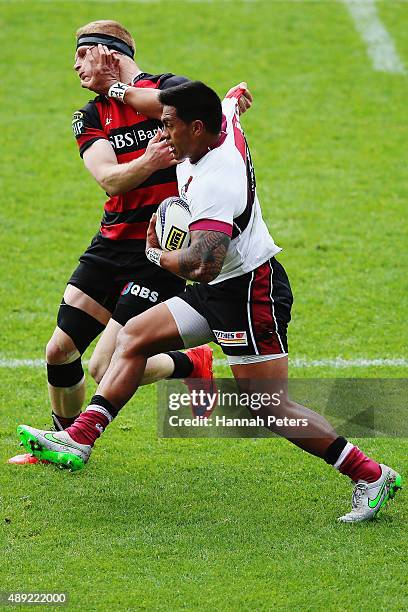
x=241, y=297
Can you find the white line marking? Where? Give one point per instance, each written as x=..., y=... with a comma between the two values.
x=26, y=363
x=22, y=363
x=295, y=362
x=380, y=46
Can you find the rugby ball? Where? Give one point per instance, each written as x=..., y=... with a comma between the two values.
x=173, y=219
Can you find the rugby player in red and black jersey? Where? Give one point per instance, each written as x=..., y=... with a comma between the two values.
x=123, y=150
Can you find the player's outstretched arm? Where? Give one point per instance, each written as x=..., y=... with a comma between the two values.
x=144, y=101
x=115, y=178
x=201, y=261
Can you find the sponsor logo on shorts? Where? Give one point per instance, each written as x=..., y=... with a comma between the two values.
x=175, y=239
x=139, y=291
x=237, y=338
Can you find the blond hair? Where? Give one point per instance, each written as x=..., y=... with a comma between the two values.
x=106, y=26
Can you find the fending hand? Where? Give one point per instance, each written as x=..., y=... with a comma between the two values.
x=151, y=238
x=244, y=96
x=104, y=69
x=159, y=154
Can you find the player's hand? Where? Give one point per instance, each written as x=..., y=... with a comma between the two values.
x=104, y=68
x=151, y=237
x=159, y=154
x=244, y=96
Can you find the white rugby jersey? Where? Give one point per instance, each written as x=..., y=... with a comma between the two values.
x=220, y=190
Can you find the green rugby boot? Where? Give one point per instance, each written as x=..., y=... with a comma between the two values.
x=369, y=497
x=54, y=446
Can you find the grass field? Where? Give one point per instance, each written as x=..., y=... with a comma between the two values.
x=211, y=524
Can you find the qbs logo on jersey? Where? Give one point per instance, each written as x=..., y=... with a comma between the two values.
x=237, y=338
x=139, y=291
x=78, y=123
x=175, y=239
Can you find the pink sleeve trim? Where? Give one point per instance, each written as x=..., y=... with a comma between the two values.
x=212, y=225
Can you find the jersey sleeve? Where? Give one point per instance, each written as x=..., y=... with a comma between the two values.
x=87, y=127
x=230, y=107
x=171, y=80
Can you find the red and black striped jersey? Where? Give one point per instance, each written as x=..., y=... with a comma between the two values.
x=126, y=216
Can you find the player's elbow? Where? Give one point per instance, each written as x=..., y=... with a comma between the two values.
x=109, y=180
x=111, y=187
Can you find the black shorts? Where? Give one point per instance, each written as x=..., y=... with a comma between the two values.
x=126, y=284
x=248, y=314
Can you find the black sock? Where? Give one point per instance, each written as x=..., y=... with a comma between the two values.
x=183, y=366
x=335, y=449
x=98, y=400
x=61, y=423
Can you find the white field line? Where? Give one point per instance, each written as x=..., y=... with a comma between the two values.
x=296, y=362
x=380, y=46
x=22, y=363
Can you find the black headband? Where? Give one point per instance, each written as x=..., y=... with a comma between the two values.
x=104, y=39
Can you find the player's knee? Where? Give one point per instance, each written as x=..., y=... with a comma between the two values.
x=59, y=351
x=97, y=367
x=64, y=367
